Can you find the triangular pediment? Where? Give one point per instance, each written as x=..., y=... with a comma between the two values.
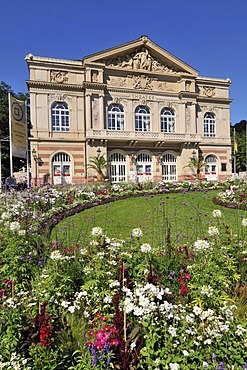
x=141, y=55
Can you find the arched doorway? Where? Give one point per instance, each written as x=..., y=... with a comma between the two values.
x=211, y=168
x=169, y=167
x=61, y=169
x=143, y=167
x=117, y=168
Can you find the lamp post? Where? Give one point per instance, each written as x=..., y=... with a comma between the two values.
x=38, y=161
x=34, y=153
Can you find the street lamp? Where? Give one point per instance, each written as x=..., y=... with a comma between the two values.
x=38, y=162
x=98, y=152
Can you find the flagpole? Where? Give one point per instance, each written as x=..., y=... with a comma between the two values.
x=234, y=151
x=27, y=153
x=10, y=139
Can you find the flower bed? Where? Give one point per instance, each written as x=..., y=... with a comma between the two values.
x=120, y=304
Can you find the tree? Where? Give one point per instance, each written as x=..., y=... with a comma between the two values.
x=240, y=144
x=5, y=89
x=99, y=164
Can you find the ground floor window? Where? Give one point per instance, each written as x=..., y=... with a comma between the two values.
x=211, y=168
x=117, y=167
x=61, y=169
x=169, y=167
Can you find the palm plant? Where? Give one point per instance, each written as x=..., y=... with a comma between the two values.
x=196, y=164
x=99, y=164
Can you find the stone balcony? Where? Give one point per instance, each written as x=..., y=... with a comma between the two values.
x=143, y=136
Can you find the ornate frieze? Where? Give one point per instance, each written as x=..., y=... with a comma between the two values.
x=59, y=76
x=141, y=59
x=58, y=97
x=117, y=81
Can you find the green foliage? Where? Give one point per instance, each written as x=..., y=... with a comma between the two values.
x=99, y=164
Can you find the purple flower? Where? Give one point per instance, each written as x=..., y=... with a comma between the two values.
x=221, y=366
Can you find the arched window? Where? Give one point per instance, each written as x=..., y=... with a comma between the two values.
x=115, y=117
x=142, y=118
x=167, y=120
x=117, y=168
x=60, y=116
x=209, y=125
x=169, y=167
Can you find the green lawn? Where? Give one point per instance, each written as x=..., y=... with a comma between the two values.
x=189, y=215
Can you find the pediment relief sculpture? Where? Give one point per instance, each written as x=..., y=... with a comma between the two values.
x=141, y=59
x=59, y=76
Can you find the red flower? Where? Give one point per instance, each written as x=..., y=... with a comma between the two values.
x=91, y=333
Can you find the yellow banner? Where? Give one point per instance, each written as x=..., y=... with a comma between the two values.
x=18, y=126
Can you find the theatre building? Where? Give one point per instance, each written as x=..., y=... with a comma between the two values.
x=144, y=109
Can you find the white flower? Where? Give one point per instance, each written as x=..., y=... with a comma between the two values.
x=14, y=226
x=244, y=222
x=213, y=231
x=207, y=290
x=136, y=233
x=205, y=364
x=207, y=341
x=201, y=245
x=55, y=255
x=185, y=353
x=240, y=330
x=172, y=331
x=145, y=248
x=114, y=284
x=96, y=231
x=71, y=309
x=217, y=213
x=197, y=310
x=174, y=366
x=65, y=304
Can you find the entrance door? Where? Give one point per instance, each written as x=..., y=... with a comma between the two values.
x=169, y=167
x=144, y=167
x=117, y=167
x=211, y=168
x=61, y=169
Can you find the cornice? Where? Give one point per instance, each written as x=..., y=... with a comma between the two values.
x=94, y=85
x=53, y=86
x=142, y=92
x=36, y=59
x=214, y=100
x=224, y=81
x=188, y=94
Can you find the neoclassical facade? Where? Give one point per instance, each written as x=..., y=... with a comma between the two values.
x=141, y=107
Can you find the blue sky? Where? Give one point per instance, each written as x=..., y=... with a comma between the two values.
x=209, y=35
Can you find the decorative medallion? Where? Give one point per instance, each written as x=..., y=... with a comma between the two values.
x=209, y=91
x=59, y=76
x=142, y=82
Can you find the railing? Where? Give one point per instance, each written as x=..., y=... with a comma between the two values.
x=143, y=135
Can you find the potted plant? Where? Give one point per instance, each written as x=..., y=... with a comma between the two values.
x=196, y=164
x=99, y=164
